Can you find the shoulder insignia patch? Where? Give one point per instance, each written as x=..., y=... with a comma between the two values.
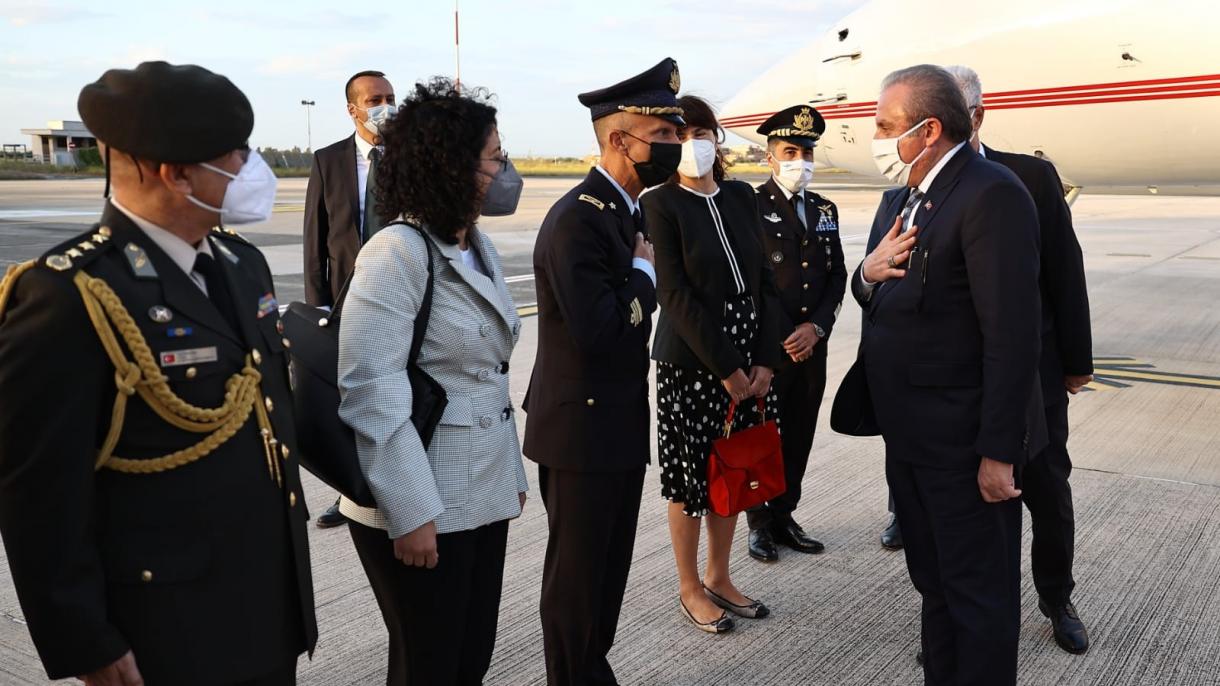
x=225, y=232
x=76, y=253
x=224, y=250
x=592, y=201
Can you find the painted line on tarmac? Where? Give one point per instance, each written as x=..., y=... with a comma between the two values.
x=40, y=214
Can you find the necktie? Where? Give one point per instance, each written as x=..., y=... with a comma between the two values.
x=909, y=208
x=795, y=201
x=218, y=289
x=637, y=218
x=371, y=222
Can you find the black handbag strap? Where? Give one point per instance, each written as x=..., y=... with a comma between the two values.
x=425, y=305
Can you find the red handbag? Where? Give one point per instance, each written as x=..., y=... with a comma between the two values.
x=745, y=468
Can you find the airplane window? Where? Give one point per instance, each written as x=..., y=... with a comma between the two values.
x=843, y=35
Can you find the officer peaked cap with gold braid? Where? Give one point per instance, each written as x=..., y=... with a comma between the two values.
x=652, y=93
x=799, y=124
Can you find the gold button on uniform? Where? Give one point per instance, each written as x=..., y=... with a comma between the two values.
x=146, y=576
x=804, y=310
x=287, y=343
x=589, y=402
x=804, y=265
x=805, y=287
x=279, y=326
x=285, y=451
x=191, y=372
x=258, y=357
x=292, y=499
x=270, y=405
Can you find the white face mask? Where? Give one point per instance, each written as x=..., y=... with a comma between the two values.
x=378, y=115
x=889, y=160
x=794, y=175
x=698, y=157
x=250, y=195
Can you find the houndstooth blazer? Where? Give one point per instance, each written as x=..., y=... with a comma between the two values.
x=472, y=473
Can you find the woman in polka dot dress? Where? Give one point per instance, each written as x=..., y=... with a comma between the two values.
x=717, y=340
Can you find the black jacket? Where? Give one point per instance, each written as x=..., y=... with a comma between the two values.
x=587, y=402
x=1067, y=338
x=951, y=350
x=694, y=278
x=808, y=265
x=332, y=221
x=203, y=570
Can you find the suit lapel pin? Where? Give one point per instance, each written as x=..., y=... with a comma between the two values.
x=928, y=205
x=773, y=218
x=613, y=207
x=160, y=314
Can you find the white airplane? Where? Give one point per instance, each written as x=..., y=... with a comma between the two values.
x=1122, y=95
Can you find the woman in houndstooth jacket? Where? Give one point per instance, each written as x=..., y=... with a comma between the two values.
x=434, y=547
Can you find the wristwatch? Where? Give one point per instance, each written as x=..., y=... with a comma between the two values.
x=819, y=331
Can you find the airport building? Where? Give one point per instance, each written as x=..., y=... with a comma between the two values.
x=58, y=141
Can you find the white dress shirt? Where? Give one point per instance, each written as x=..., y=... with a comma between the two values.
x=182, y=253
x=924, y=186
x=800, y=206
x=636, y=262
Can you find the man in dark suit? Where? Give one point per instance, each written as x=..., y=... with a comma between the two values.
x=950, y=350
x=126, y=570
x=340, y=211
x=589, y=419
x=801, y=238
x=1067, y=365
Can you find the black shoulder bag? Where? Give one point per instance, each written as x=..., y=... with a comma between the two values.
x=328, y=445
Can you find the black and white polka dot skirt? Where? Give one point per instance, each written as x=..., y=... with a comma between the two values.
x=691, y=407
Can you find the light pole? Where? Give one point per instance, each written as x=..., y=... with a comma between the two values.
x=308, y=125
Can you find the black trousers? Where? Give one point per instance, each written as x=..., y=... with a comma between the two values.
x=285, y=676
x=1048, y=495
x=442, y=621
x=592, y=519
x=964, y=558
x=799, y=389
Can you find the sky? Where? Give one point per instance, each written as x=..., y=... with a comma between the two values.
x=534, y=55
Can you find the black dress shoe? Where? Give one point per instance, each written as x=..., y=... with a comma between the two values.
x=1069, y=631
x=792, y=535
x=332, y=517
x=762, y=546
x=891, y=538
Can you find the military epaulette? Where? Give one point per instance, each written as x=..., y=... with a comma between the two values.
x=592, y=201
x=226, y=232
x=78, y=252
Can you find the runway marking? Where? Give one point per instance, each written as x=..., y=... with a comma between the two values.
x=527, y=310
x=1111, y=372
x=519, y=278
x=288, y=208
x=38, y=213
x=1198, y=257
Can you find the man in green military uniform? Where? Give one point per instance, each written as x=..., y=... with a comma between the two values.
x=800, y=231
x=149, y=496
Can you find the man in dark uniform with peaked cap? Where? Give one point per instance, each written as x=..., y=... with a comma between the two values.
x=149, y=496
x=801, y=238
x=588, y=423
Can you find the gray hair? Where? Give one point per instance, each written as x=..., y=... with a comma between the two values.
x=968, y=80
x=935, y=95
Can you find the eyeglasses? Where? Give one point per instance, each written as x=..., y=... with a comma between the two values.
x=502, y=160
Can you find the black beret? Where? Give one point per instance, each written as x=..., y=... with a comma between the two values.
x=799, y=124
x=167, y=113
x=653, y=93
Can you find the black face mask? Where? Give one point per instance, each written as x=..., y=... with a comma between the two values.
x=662, y=164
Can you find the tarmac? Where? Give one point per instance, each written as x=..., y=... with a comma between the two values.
x=1145, y=442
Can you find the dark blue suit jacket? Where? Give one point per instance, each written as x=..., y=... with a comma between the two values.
x=950, y=352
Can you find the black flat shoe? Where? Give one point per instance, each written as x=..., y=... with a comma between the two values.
x=721, y=625
x=331, y=518
x=755, y=610
x=891, y=538
x=1069, y=631
x=792, y=535
x=762, y=546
